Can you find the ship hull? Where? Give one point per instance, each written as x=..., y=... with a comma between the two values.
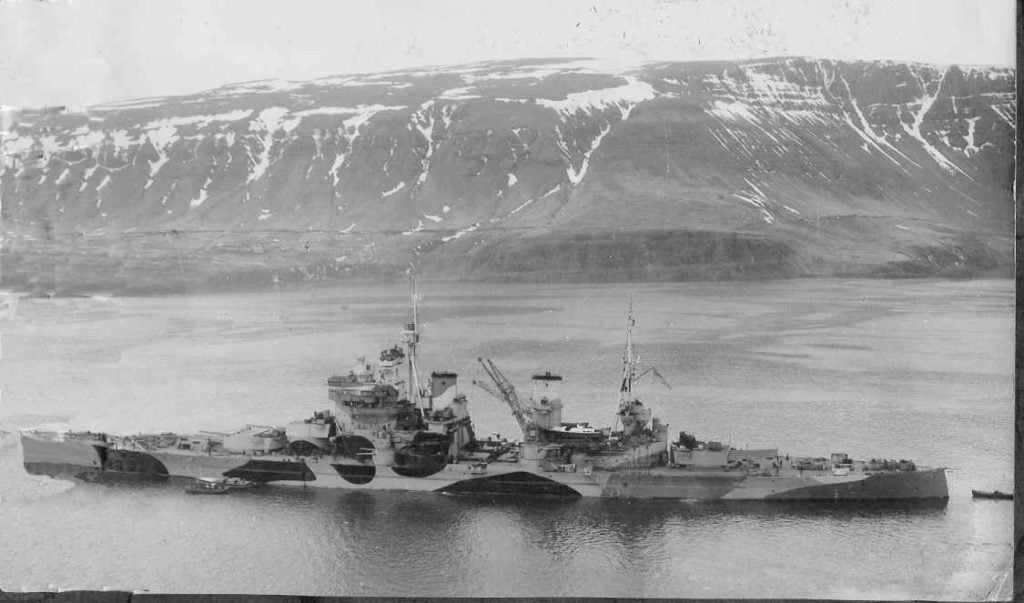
x=56, y=456
x=723, y=485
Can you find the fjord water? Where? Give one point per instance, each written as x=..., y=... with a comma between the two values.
x=894, y=369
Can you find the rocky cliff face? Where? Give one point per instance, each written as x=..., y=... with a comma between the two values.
x=526, y=170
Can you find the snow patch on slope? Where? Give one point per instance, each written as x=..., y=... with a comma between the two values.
x=624, y=97
x=731, y=110
x=164, y=132
x=757, y=199
x=541, y=71
x=865, y=131
x=521, y=207
x=86, y=176
x=766, y=90
x=99, y=189
x=136, y=103
x=260, y=86
x=194, y=203
x=926, y=101
x=350, y=128
x=390, y=192
x=460, y=234
x=419, y=227
x=358, y=109
x=971, y=147
x=269, y=120
x=1005, y=112
x=425, y=122
x=576, y=175
x=459, y=94
x=154, y=167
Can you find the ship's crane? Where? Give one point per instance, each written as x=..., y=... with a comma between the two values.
x=507, y=392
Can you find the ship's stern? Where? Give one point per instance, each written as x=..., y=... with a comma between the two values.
x=62, y=454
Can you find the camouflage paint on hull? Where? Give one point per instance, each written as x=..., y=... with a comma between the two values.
x=923, y=483
x=724, y=485
x=50, y=454
x=55, y=455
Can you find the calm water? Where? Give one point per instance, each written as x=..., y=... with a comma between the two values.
x=909, y=369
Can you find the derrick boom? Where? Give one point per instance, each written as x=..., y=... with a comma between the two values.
x=505, y=391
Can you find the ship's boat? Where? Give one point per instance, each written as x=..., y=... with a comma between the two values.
x=204, y=486
x=995, y=494
x=390, y=429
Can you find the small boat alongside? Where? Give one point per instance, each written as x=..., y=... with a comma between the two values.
x=206, y=486
x=236, y=483
x=993, y=495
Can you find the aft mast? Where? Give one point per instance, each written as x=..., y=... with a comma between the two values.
x=636, y=419
x=629, y=363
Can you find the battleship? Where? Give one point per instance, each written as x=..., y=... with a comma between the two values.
x=390, y=429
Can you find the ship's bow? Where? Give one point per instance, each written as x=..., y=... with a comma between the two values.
x=922, y=484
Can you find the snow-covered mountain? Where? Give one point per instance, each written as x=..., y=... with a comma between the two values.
x=528, y=170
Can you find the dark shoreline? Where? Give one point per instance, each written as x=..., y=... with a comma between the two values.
x=1000, y=273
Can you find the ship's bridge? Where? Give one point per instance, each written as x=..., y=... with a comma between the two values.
x=365, y=395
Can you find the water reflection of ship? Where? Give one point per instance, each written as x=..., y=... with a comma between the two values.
x=405, y=525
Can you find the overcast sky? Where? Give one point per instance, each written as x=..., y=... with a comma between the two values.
x=81, y=52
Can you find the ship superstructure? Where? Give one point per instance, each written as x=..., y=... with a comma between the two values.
x=389, y=429
x=383, y=418
x=635, y=459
